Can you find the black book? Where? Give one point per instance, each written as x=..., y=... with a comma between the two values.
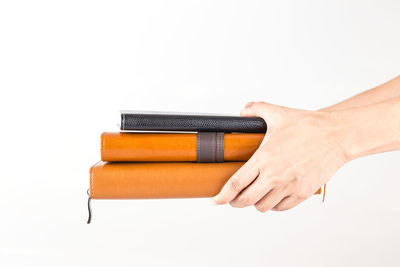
x=162, y=121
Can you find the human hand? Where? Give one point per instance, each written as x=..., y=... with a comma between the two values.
x=299, y=154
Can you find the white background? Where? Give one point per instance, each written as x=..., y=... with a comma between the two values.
x=68, y=67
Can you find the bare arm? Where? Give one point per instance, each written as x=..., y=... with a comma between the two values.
x=380, y=93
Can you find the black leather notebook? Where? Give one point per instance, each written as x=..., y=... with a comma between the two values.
x=161, y=121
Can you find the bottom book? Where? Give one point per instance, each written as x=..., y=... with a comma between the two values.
x=109, y=180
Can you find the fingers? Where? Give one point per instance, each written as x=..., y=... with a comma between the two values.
x=239, y=181
x=287, y=203
x=253, y=193
x=270, y=200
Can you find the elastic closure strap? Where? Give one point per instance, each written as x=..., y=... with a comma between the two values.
x=210, y=147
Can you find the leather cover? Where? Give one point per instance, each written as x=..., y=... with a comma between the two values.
x=193, y=123
x=142, y=147
x=159, y=180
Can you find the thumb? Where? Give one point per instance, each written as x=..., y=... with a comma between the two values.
x=256, y=109
x=272, y=114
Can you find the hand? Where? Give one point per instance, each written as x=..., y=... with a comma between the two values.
x=299, y=154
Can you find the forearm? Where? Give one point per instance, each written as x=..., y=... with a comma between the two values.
x=369, y=129
x=386, y=91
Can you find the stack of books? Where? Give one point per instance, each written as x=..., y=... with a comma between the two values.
x=166, y=155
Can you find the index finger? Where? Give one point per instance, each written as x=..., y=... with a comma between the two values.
x=239, y=181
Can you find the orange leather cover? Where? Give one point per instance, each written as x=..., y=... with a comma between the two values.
x=159, y=180
x=172, y=146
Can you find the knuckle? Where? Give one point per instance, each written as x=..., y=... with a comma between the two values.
x=299, y=176
x=275, y=182
x=235, y=185
x=267, y=172
x=304, y=192
x=244, y=200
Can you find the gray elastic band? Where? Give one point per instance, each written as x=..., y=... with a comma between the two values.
x=210, y=147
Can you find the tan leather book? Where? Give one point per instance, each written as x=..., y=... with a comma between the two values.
x=159, y=180
x=189, y=147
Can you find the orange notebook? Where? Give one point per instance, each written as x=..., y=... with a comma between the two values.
x=180, y=147
x=159, y=180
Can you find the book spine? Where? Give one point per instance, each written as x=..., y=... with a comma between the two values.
x=169, y=147
x=152, y=122
x=159, y=180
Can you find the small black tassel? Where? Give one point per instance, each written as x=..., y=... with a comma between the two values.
x=89, y=208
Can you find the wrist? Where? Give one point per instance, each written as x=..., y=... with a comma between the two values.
x=332, y=125
x=369, y=129
x=344, y=129
x=338, y=127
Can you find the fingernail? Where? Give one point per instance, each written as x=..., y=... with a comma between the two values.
x=214, y=200
x=249, y=104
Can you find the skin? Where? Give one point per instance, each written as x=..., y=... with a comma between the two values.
x=303, y=149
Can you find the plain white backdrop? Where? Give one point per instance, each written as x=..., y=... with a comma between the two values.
x=68, y=67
